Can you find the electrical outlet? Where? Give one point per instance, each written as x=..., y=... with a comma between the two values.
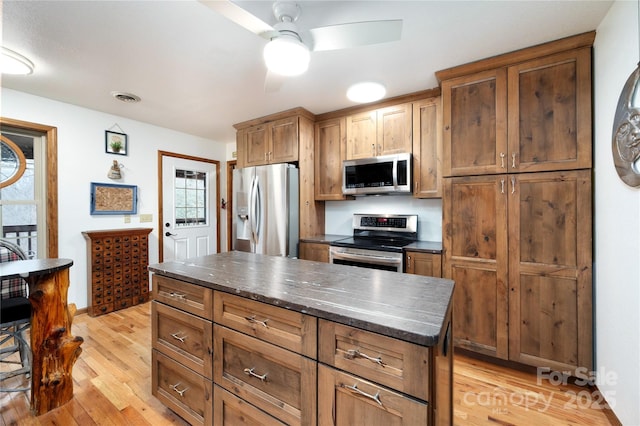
x=127, y=218
x=234, y=154
x=146, y=218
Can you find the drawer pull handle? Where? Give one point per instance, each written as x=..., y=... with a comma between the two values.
x=355, y=389
x=354, y=353
x=178, y=391
x=175, y=295
x=252, y=319
x=177, y=336
x=249, y=372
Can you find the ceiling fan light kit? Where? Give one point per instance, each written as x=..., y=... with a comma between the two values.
x=286, y=55
x=14, y=63
x=366, y=91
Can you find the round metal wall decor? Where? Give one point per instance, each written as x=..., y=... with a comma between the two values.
x=626, y=132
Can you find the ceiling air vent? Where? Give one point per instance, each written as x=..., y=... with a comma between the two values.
x=126, y=97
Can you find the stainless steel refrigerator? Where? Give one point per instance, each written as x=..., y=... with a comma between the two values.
x=265, y=210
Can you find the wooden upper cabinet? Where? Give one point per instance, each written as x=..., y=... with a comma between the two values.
x=394, y=129
x=474, y=123
x=284, y=140
x=379, y=132
x=330, y=151
x=531, y=116
x=268, y=143
x=427, y=148
x=550, y=113
x=362, y=135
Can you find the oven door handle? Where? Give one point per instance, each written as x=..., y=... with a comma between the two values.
x=380, y=260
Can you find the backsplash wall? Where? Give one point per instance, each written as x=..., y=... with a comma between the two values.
x=339, y=214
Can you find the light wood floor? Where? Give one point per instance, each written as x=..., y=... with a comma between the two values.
x=112, y=386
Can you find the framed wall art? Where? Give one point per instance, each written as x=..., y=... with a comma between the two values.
x=115, y=143
x=110, y=198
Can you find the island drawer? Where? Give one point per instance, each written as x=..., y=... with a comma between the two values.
x=276, y=380
x=184, y=337
x=391, y=362
x=185, y=392
x=345, y=400
x=291, y=330
x=188, y=297
x=229, y=410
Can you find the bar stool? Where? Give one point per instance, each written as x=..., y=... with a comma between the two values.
x=15, y=320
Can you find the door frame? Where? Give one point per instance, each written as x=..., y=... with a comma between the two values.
x=231, y=165
x=161, y=155
x=51, y=133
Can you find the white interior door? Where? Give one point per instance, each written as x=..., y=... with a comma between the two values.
x=189, y=208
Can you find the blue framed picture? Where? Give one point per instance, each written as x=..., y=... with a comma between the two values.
x=110, y=198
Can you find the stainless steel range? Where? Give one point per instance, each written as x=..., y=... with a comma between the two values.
x=377, y=241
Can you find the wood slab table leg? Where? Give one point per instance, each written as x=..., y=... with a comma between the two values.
x=54, y=349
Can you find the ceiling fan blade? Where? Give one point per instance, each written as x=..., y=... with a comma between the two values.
x=236, y=14
x=344, y=36
x=273, y=82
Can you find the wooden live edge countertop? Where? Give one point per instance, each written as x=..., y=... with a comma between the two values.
x=402, y=306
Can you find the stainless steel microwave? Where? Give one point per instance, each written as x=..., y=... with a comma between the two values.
x=386, y=174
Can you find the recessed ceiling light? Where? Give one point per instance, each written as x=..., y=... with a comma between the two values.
x=367, y=91
x=126, y=97
x=14, y=63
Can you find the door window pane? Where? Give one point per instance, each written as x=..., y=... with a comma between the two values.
x=190, y=198
x=18, y=201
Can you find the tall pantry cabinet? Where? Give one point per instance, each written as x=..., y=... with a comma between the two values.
x=517, y=203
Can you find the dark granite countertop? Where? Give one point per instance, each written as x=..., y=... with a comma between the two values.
x=425, y=246
x=403, y=306
x=324, y=239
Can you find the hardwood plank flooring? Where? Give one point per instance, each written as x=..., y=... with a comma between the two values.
x=112, y=386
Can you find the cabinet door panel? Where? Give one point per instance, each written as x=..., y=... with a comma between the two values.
x=284, y=140
x=314, y=251
x=256, y=145
x=475, y=116
x=341, y=405
x=278, y=381
x=475, y=247
x=550, y=269
x=394, y=129
x=330, y=151
x=184, y=337
x=550, y=113
x=428, y=264
x=427, y=148
x=361, y=135
x=229, y=410
x=182, y=390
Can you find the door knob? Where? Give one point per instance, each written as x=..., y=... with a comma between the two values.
x=169, y=234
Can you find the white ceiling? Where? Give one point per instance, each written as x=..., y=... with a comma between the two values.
x=199, y=73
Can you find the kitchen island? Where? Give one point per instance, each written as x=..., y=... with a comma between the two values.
x=240, y=337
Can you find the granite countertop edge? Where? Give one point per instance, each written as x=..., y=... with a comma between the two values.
x=428, y=335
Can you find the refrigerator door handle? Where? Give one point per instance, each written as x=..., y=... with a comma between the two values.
x=254, y=206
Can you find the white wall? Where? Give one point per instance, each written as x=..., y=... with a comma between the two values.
x=338, y=214
x=617, y=224
x=82, y=159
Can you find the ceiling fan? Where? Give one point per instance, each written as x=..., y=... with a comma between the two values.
x=287, y=53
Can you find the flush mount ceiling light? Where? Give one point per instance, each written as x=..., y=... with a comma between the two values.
x=367, y=91
x=14, y=63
